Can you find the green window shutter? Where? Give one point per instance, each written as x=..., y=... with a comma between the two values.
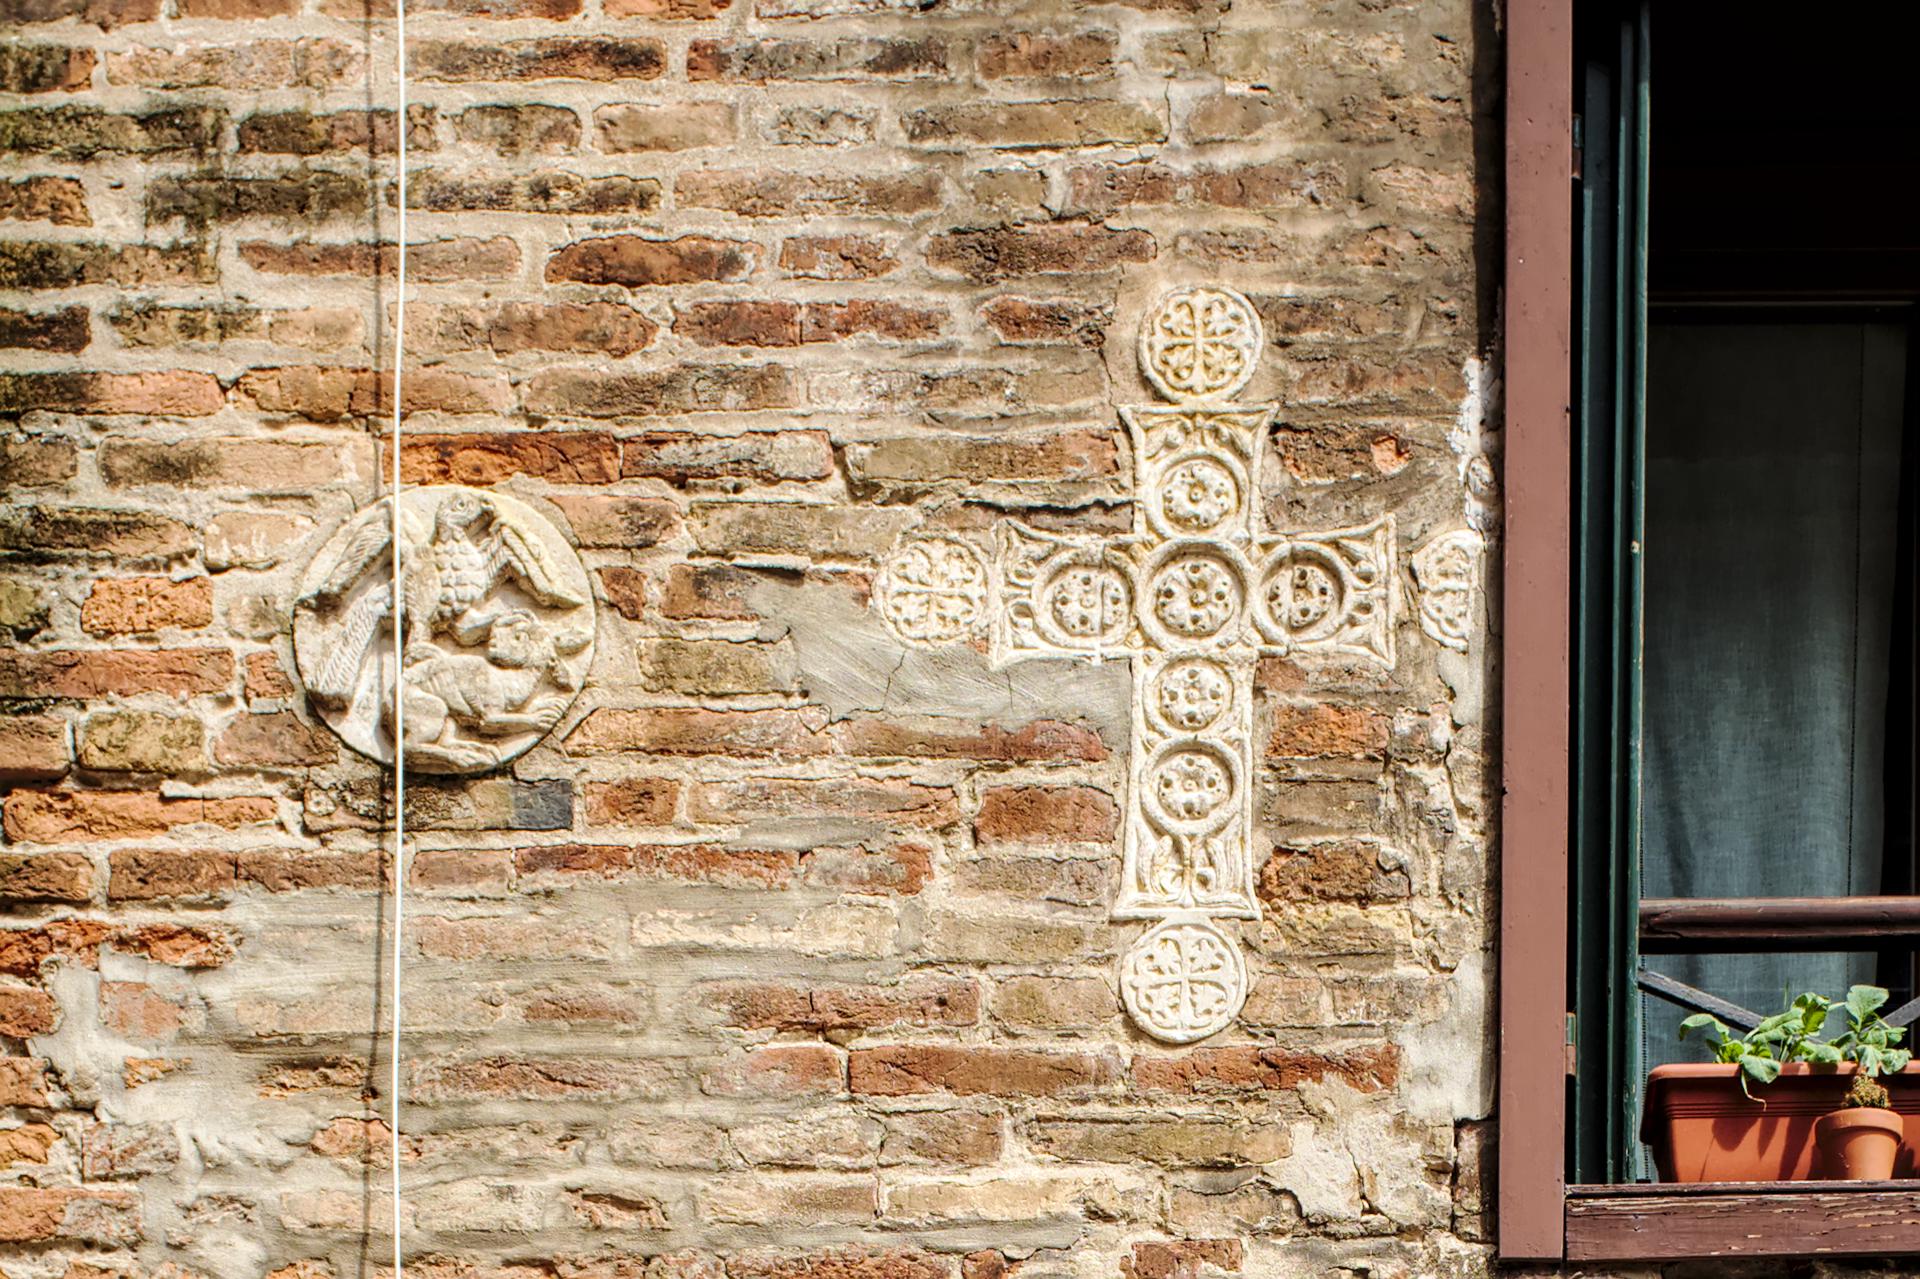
x=1609, y=444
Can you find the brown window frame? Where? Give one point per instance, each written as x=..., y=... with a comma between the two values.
x=1539, y=1217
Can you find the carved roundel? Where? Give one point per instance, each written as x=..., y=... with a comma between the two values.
x=1200, y=343
x=1084, y=602
x=1304, y=595
x=1192, y=694
x=933, y=591
x=495, y=621
x=1183, y=980
x=1192, y=788
x=1197, y=495
x=1194, y=595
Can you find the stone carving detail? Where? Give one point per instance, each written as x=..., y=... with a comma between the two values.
x=496, y=615
x=1183, y=980
x=1192, y=597
x=1447, y=570
x=1200, y=343
x=933, y=590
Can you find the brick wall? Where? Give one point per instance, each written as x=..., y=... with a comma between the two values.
x=783, y=958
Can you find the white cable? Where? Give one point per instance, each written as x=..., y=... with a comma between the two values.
x=399, y=640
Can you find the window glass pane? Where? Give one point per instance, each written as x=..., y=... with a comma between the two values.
x=1772, y=528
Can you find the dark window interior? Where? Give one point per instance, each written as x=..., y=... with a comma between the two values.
x=1779, y=716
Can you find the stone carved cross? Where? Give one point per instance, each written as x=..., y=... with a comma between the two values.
x=1193, y=597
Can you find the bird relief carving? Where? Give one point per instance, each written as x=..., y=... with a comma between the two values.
x=495, y=623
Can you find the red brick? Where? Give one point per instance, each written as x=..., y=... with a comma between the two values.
x=1016, y=252
x=817, y=1009
x=902, y=1070
x=33, y=748
x=1287, y=184
x=179, y=672
x=68, y=1216
x=1180, y=1259
x=761, y=61
x=781, y=324
x=484, y=459
x=330, y=394
x=603, y=59
x=634, y=801
x=277, y=740
x=23, y=1082
x=27, y=1144
x=1031, y=55
x=596, y=393
x=47, y=817
x=782, y=1070
x=752, y=193
x=844, y=1263
x=1049, y=321
x=434, y=261
x=1324, y=731
x=837, y=257
x=25, y=1011
x=136, y=605
x=637, y=262
x=178, y=393
x=1341, y=871
x=50, y=877
x=67, y=330
x=1046, y=815
x=293, y=870
x=151, y=874
x=1249, y=1067
x=61, y=201
x=508, y=328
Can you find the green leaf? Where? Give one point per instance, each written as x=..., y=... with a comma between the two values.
x=1863, y=1001
x=1824, y=1054
x=1762, y=1069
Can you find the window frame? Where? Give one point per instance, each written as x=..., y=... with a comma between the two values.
x=1540, y=1218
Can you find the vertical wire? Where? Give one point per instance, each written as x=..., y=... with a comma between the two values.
x=399, y=639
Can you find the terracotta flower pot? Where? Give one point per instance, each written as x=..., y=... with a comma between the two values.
x=1858, y=1143
x=1702, y=1128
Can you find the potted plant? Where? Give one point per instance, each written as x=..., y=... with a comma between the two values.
x=1749, y=1115
x=1861, y=1140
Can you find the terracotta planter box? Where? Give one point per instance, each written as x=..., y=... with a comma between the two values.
x=1702, y=1128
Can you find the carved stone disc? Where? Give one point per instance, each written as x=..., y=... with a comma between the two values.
x=496, y=618
x=1183, y=980
x=1200, y=343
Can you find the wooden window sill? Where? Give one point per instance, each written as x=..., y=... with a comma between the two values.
x=1742, y=1219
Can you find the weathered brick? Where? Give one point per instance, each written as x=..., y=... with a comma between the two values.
x=837, y=257
x=323, y=394
x=179, y=672
x=687, y=388
x=846, y=1263
x=486, y=458
x=108, y=1217
x=66, y=330
x=29, y=265
x=30, y=463
x=25, y=1012
x=1180, y=1259
x=45, y=68
x=909, y=463
x=760, y=61
x=602, y=59
x=138, y=605
x=632, y=801
x=622, y=128
x=1036, y=125
x=547, y=192
x=1048, y=321
x=1241, y=1068
x=304, y=196
x=817, y=1009
x=673, y=730
x=508, y=328
x=904, y=1070
x=142, y=742
x=1342, y=871
x=1324, y=731
x=42, y=530
x=938, y=737
x=280, y=739
x=1006, y=253
x=314, y=133
x=637, y=262
x=890, y=802
x=257, y=64
x=79, y=133
x=793, y=528
x=1054, y=1003
x=618, y=521
x=26, y=1144
x=52, y=817
x=533, y=1078
x=825, y=126
x=150, y=874
x=272, y=465
x=33, y=748
x=529, y=129
x=23, y=1082
x=1177, y=1142
x=1287, y=184
x=429, y=262
x=755, y=194
x=780, y=1070
x=1046, y=814
x=61, y=201
x=793, y=324
x=1040, y=55
x=174, y=393
x=768, y=456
